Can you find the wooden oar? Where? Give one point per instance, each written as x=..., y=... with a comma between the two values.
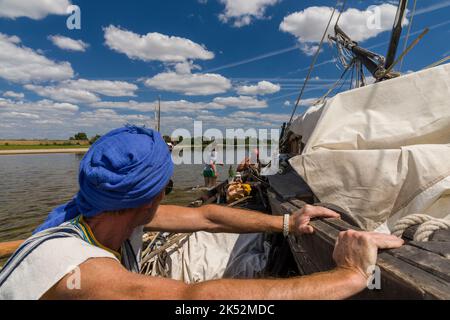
x=8, y=248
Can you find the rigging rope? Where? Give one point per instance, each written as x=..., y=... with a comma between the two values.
x=363, y=77
x=322, y=99
x=351, y=77
x=410, y=47
x=313, y=62
x=427, y=226
x=409, y=32
x=438, y=62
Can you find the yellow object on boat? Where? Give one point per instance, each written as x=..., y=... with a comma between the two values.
x=238, y=191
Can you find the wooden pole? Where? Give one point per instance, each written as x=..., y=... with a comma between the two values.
x=159, y=113
x=8, y=248
x=396, y=33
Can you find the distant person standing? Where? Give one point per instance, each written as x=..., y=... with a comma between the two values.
x=250, y=163
x=210, y=170
x=231, y=174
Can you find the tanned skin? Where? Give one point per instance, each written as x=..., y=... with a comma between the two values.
x=103, y=278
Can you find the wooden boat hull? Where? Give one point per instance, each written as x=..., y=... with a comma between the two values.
x=414, y=271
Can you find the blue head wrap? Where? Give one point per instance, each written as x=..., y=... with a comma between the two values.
x=126, y=168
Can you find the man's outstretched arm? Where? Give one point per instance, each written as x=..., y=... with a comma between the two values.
x=214, y=218
x=105, y=279
x=354, y=253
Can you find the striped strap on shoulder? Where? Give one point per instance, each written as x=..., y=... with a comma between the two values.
x=63, y=231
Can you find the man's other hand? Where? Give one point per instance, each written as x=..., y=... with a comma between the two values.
x=301, y=218
x=357, y=251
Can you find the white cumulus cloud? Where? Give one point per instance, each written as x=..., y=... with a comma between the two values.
x=244, y=119
x=18, y=115
x=104, y=87
x=84, y=91
x=69, y=44
x=190, y=84
x=34, y=9
x=21, y=64
x=277, y=118
x=171, y=106
x=309, y=49
x=241, y=102
x=40, y=107
x=243, y=12
x=62, y=93
x=14, y=95
x=262, y=88
x=154, y=46
x=308, y=25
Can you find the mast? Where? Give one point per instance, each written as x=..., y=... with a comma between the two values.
x=352, y=56
x=396, y=33
x=159, y=114
x=378, y=66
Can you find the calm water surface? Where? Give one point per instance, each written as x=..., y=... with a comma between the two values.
x=32, y=185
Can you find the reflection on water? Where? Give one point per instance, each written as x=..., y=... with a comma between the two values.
x=32, y=185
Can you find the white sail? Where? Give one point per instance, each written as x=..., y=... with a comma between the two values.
x=382, y=151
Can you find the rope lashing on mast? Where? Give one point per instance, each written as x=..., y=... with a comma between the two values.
x=316, y=55
x=408, y=33
x=427, y=226
x=404, y=53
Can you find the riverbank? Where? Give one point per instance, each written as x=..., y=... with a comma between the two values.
x=43, y=150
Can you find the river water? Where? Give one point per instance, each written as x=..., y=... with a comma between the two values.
x=32, y=185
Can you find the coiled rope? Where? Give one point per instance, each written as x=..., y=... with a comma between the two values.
x=427, y=226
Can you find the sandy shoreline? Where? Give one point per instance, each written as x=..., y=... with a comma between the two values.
x=43, y=151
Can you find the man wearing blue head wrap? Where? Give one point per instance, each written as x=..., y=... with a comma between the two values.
x=90, y=247
x=126, y=168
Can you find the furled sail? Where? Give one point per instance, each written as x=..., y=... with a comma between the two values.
x=381, y=151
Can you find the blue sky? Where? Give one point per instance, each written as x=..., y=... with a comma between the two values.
x=229, y=63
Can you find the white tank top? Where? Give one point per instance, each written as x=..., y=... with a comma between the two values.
x=29, y=274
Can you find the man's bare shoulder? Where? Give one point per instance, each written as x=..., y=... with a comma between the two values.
x=79, y=283
x=107, y=279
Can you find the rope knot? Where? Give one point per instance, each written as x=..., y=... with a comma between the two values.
x=427, y=226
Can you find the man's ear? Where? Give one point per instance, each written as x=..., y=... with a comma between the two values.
x=161, y=196
x=148, y=205
x=155, y=201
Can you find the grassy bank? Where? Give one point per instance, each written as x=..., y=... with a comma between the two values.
x=40, y=147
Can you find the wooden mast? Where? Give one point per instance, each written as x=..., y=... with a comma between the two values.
x=159, y=114
x=396, y=33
